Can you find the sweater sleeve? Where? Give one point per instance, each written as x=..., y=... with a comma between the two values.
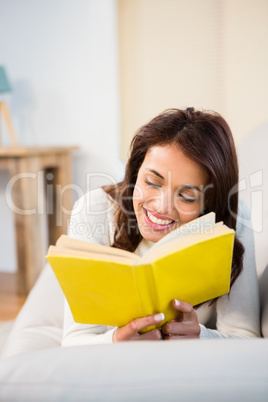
x=75, y=334
x=238, y=311
x=91, y=221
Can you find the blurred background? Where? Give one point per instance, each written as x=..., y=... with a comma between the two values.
x=90, y=72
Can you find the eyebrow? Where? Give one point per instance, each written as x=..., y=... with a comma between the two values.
x=156, y=173
x=183, y=186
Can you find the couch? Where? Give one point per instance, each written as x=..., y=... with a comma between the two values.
x=34, y=367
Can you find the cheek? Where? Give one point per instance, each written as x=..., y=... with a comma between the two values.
x=138, y=197
x=143, y=194
x=188, y=212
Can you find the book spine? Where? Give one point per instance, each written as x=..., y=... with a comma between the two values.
x=146, y=289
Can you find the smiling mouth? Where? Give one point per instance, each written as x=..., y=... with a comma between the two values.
x=157, y=221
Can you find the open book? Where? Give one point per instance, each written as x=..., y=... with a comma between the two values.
x=107, y=286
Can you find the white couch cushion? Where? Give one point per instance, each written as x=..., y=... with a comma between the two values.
x=40, y=321
x=208, y=370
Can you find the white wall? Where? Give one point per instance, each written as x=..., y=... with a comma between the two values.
x=61, y=59
x=208, y=54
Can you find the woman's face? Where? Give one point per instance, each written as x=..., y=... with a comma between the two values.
x=168, y=192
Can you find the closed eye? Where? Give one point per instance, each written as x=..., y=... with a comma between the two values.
x=152, y=184
x=186, y=199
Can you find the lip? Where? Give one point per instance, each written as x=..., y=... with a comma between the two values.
x=153, y=225
x=157, y=216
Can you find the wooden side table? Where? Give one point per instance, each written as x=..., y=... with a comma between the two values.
x=39, y=186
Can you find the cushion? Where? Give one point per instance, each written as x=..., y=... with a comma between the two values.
x=40, y=321
x=207, y=370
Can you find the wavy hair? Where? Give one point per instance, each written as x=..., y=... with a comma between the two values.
x=205, y=137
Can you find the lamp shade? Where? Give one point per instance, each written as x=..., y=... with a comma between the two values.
x=4, y=83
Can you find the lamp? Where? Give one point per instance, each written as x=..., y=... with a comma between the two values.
x=4, y=88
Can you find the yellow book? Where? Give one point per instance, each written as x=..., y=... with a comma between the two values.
x=107, y=286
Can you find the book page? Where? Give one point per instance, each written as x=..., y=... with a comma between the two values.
x=98, y=249
x=69, y=252
x=182, y=242
x=202, y=224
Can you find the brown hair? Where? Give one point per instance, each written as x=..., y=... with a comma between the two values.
x=206, y=138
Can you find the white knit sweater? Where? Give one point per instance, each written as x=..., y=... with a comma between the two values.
x=237, y=313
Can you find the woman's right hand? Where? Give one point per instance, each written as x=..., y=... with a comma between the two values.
x=130, y=332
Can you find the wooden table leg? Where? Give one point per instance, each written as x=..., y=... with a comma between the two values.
x=61, y=202
x=25, y=192
x=32, y=178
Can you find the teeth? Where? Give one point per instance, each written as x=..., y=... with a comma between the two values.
x=158, y=221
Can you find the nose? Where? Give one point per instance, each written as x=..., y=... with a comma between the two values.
x=164, y=203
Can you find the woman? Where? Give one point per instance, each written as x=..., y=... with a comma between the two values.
x=182, y=164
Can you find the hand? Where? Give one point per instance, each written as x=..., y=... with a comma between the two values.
x=185, y=326
x=130, y=332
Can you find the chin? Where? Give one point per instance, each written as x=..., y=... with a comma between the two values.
x=154, y=236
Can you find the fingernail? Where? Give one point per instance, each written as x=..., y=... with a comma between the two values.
x=177, y=302
x=159, y=317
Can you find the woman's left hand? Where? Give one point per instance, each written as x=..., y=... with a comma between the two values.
x=185, y=326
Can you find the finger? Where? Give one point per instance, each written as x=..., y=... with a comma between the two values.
x=144, y=322
x=179, y=317
x=131, y=329
x=181, y=328
x=178, y=337
x=184, y=307
x=154, y=335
